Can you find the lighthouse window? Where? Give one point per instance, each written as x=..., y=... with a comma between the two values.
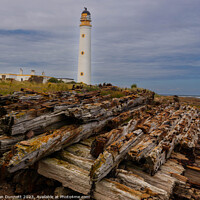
x=81, y=73
x=83, y=35
x=82, y=52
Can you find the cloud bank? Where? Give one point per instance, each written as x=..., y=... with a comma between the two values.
x=152, y=43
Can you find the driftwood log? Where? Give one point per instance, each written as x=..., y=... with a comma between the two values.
x=114, y=154
x=42, y=116
x=156, y=148
x=26, y=153
x=16, y=123
x=104, y=140
x=141, y=119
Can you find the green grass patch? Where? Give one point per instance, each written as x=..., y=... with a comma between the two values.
x=113, y=94
x=91, y=88
x=8, y=87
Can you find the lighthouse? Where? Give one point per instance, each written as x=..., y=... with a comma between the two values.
x=84, y=58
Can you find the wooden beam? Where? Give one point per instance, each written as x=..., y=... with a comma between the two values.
x=68, y=174
x=135, y=182
x=113, y=155
x=26, y=153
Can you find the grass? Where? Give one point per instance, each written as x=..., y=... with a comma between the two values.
x=91, y=88
x=157, y=95
x=113, y=94
x=8, y=87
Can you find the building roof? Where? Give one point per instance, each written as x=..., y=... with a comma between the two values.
x=66, y=78
x=86, y=11
x=23, y=75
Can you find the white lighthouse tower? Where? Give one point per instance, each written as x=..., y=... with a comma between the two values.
x=84, y=60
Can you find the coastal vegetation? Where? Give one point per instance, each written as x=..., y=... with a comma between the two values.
x=54, y=85
x=54, y=80
x=133, y=86
x=8, y=87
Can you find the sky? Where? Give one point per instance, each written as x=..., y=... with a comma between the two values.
x=152, y=43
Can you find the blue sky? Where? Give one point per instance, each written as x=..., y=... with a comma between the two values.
x=154, y=44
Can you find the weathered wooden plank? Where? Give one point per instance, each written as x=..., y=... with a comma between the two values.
x=184, y=191
x=153, y=122
x=140, y=151
x=111, y=190
x=68, y=174
x=83, y=163
x=130, y=114
x=78, y=180
x=137, y=183
x=101, y=142
x=114, y=154
x=6, y=142
x=104, y=140
x=172, y=167
x=78, y=154
x=88, y=142
x=102, y=189
x=26, y=153
x=159, y=180
x=79, y=150
x=9, y=99
x=193, y=175
x=170, y=141
x=102, y=110
x=21, y=122
x=38, y=122
x=3, y=111
x=162, y=151
x=189, y=140
x=25, y=115
x=181, y=158
x=154, y=156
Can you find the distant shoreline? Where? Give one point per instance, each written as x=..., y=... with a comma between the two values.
x=193, y=96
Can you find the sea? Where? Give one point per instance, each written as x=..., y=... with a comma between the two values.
x=194, y=96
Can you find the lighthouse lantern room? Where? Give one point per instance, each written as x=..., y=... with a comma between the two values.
x=84, y=60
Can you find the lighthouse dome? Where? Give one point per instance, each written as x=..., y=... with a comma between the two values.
x=86, y=11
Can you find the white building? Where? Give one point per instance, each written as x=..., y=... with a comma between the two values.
x=23, y=77
x=84, y=61
x=66, y=80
